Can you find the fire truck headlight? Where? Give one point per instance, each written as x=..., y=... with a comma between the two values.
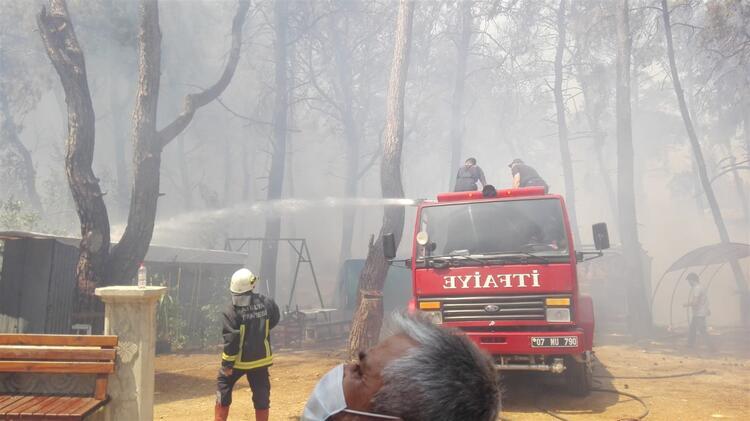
x=423, y=238
x=558, y=314
x=435, y=317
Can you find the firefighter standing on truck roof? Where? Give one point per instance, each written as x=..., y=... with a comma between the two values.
x=248, y=321
x=468, y=175
x=525, y=176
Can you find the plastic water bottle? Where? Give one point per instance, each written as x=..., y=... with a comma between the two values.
x=142, y=276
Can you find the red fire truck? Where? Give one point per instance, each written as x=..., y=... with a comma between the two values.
x=501, y=267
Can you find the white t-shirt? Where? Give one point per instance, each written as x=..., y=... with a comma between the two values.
x=699, y=301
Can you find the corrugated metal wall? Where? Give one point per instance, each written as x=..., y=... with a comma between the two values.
x=61, y=296
x=36, y=273
x=38, y=292
x=24, y=284
x=10, y=285
x=37, y=286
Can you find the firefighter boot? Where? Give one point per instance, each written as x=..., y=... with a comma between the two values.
x=221, y=412
x=261, y=415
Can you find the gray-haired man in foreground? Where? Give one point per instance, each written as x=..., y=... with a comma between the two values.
x=420, y=373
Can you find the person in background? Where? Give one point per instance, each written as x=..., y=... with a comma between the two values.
x=698, y=304
x=468, y=175
x=421, y=373
x=525, y=176
x=248, y=321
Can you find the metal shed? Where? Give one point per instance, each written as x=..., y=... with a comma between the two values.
x=37, y=283
x=38, y=291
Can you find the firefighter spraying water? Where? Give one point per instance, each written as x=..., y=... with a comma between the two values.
x=248, y=321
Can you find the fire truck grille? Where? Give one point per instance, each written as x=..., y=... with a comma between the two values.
x=521, y=307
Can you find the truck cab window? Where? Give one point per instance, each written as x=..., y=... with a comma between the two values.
x=496, y=227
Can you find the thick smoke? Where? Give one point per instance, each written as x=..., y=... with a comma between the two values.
x=214, y=176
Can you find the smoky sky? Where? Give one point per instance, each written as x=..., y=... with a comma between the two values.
x=222, y=160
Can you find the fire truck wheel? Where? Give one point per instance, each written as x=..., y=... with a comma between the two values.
x=578, y=377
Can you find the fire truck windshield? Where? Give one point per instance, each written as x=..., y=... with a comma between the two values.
x=488, y=230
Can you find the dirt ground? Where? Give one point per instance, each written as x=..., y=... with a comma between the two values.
x=185, y=384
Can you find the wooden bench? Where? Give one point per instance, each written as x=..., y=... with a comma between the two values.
x=56, y=354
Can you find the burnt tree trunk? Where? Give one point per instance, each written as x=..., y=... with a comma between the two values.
x=270, y=248
x=369, y=315
x=133, y=245
x=742, y=288
x=63, y=50
x=96, y=264
x=562, y=125
x=639, y=313
x=465, y=20
x=149, y=142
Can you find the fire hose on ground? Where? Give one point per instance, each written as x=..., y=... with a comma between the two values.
x=646, y=409
x=601, y=390
x=666, y=376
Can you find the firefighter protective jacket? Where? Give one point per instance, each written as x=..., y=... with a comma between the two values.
x=246, y=332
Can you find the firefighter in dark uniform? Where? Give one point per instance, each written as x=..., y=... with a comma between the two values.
x=247, y=345
x=468, y=175
x=526, y=176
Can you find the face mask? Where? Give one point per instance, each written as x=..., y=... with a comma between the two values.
x=327, y=399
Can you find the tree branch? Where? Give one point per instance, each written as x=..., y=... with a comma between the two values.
x=194, y=101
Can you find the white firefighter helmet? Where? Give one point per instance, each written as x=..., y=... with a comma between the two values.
x=242, y=281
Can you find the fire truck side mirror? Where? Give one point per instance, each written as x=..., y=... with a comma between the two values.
x=389, y=246
x=601, y=236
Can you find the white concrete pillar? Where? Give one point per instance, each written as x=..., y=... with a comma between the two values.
x=130, y=313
